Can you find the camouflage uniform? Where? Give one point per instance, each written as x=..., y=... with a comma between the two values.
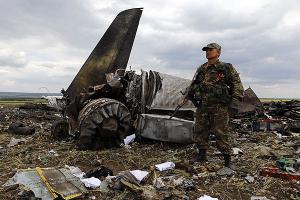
x=215, y=87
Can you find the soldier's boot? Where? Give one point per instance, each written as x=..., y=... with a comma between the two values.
x=227, y=160
x=201, y=156
x=228, y=163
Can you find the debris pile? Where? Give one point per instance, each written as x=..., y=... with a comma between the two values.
x=267, y=164
x=282, y=118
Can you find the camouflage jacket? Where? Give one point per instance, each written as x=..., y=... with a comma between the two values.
x=217, y=83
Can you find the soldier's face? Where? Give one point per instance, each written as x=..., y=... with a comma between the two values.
x=212, y=53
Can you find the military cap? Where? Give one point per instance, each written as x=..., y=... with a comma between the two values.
x=212, y=46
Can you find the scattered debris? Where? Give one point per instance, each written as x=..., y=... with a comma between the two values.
x=26, y=194
x=266, y=152
x=188, y=185
x=99, y=172
x=104, y=186
x=249, y=178
x=19, y=128
x=48, y=183
x=288, y=164
x=52, y=153
x=91, y=182
x=124, y=178
x=258, y=198
x=158, y=183
x=139, y=174
x=129, y=139
x=60, y=129
x=75, y=171
x=165, y=166
x=91, y=178
x=277, y=173
x=14, y=141
x=225, y=171
x=237, y=151
x=206, y=197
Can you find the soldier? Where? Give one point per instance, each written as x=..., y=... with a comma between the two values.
x=216, y=88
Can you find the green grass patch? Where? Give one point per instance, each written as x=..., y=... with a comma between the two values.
x=275, y=99
x=21, y=101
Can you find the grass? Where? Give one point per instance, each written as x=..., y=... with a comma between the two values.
x=21, y=101
x=275, y=99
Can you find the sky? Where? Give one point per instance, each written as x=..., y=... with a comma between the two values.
x=43, y=43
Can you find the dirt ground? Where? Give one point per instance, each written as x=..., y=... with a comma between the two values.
x=144, y=154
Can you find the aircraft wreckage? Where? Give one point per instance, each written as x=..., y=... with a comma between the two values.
x=105, y=103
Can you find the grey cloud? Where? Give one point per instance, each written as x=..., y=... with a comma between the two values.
x=71, y=22
x=12, y=59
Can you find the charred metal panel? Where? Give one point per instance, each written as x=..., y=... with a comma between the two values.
x=160, y=127
x=187, y=114
x=169, y=95
x=250, y=97
x=250, y=103
x=111, y=53
x=133, y=93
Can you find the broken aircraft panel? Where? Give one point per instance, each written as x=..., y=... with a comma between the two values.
x=160, y=127
x=169, y=95
x=156, y=93
x=49, y=183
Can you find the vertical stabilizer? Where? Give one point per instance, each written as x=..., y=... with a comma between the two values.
x=111, y=53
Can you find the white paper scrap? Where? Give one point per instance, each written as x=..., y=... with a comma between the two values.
x=91, y=182
x=139, y=174
x=165, y=166
x=205, y=197
x=129, y=139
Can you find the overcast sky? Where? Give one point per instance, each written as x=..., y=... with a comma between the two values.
x=43, y=43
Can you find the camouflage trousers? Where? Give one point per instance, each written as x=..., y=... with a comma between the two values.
x=212, y=119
